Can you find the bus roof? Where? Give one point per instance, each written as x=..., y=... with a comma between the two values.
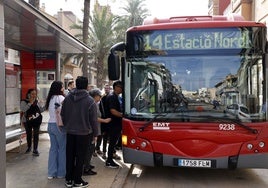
x=231, y=17
x=233, y=20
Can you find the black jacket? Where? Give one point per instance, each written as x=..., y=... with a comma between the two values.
x=79, y=113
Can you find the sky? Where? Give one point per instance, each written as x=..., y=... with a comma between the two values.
x=159, y=9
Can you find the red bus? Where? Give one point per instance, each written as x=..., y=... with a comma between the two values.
x=195, y=92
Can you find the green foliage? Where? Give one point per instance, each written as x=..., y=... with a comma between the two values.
x=101, y=38
x=101, y=30
x=106, y=29
x=135, y=12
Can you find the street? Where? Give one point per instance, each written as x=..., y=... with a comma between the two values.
x=149, y=177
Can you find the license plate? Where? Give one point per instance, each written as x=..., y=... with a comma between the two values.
x=194, y=163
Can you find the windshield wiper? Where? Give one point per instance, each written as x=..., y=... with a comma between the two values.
x=223, y=119
x=254, y=131
x=149, y=122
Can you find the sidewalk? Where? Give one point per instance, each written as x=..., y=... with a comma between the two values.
x=25, y=170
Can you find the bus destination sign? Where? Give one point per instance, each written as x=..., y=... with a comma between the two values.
x=197, y=39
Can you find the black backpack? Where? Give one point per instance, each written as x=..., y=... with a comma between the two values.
x=33, y=114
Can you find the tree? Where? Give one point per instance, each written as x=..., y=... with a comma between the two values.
x=85, y=38
x=85, y=62
x=101, y=32
x=135, y=12
x=106, y=29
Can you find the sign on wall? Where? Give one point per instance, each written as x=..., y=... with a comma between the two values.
x=45, y=59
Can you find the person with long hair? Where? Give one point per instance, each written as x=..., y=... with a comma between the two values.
x=31, y=110
x=57, y=134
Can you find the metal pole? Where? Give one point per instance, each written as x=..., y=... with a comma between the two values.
x=2, y=100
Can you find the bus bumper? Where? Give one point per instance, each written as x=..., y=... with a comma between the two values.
x=144, y=158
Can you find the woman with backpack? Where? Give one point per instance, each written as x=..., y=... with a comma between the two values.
x=31, y=118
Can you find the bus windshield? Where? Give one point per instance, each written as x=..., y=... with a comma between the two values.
x=198, y=72
x=228, y=86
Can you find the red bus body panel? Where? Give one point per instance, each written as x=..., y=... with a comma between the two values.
x=194, y=140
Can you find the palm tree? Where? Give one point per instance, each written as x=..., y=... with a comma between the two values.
x=136, y=12
x=101, y=32
x=85, y=62
x=120, y=28
x=85, y=38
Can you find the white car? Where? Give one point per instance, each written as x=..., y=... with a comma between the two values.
x=240, y=111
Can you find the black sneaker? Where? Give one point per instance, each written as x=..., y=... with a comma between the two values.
x=111, y=164
x=104, y=156
x=91, y=166
x=35, y=153
x=81, y=184
x=69, y=183
x=89, y=172
x=28, y=150
x=116, y=157
x=99, y=152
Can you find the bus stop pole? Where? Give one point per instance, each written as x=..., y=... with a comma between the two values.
x=2, y=99
x=58, y=67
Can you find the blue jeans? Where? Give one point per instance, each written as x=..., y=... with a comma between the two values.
x=57, y=151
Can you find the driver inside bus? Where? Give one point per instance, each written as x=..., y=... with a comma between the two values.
x=181, y=104
x=145, y=97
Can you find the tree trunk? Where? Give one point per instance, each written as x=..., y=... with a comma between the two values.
x=85, y=63
x=100, y=72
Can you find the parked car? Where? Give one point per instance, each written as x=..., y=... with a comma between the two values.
x=240, y=111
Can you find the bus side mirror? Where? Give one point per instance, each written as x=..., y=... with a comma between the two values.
x=114, y=61
x=113, y=67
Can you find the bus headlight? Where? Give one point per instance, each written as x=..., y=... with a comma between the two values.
x=250, y=146
x=124, y=140
x=261, y=144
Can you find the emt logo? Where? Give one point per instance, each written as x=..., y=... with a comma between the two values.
x=160, y=126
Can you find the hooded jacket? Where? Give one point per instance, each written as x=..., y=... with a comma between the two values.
x=79, y=113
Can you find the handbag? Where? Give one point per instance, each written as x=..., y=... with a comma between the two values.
x=33, y=115
x=57, y=113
